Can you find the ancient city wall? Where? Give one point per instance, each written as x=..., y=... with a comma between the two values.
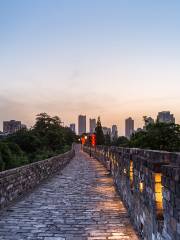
x=16, y=182
x=149, y=185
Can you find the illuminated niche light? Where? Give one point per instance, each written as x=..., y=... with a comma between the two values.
x=131, y=175
x=141, y=186
x=158, y=193
x=125, y=171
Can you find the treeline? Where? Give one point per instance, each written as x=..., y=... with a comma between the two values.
x=155, y=136
x=45, y=139
x=158, y=136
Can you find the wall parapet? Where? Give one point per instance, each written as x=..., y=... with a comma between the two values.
x=149, y=184
x=16, y=182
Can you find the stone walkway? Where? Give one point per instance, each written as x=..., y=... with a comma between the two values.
x=80, y=203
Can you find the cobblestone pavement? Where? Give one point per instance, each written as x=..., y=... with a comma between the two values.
x=80, y=203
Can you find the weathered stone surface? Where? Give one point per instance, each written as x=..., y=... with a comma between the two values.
x=135, y=174
x=18, y=181
x=171, y=180
x=79, y=203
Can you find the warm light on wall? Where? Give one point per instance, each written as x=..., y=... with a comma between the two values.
x=131, y=176
x=158, y=192
x=141, y=186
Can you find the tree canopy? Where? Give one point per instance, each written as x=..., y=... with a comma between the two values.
x=45, y=139
x=155, y=136
x=158, y=136
x=121, y=142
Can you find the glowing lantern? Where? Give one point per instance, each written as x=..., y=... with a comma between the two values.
x=83, y=140
x=93, y=140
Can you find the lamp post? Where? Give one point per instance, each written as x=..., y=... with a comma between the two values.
x=85, y=139
x=90, y=142
x=80, y=142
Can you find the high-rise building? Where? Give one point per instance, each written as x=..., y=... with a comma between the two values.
x=92, y=125
x=114, y=134
x=11, y=126
x=73, y=127
x=81, y=124
x=129, y=127
x=165, y=117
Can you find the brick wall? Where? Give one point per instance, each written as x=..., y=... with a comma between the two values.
x=149, y=185
x=18, y=181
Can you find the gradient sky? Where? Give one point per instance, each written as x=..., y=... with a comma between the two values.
x=113, y=58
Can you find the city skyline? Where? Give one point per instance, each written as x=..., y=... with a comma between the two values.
x=83, y=123
x=110, y=58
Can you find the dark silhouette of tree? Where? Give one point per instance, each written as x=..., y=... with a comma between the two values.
x=107, y=138
x=158, y=136
x=121, y=142
x=100, y=140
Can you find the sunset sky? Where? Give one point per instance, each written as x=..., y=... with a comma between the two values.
x=113, y=58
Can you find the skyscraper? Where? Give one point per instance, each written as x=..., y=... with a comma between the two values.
x=92, y=125
x=11, y=126
x=129, y=127
x=165, y=117
x=81, y=124
x=73, y=127
x=114, y=134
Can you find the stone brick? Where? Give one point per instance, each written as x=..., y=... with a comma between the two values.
x=144, y=205
x=17, y=182
x=79, y=203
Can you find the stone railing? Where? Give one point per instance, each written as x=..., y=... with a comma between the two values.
x=18, y=181
x=149, y=185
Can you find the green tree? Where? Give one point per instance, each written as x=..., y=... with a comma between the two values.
x=158, y=136
x=2, y=163
x=28, y=140
x=11, y=156
x=100, y=140
x=121, y=142
x=45, y=139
